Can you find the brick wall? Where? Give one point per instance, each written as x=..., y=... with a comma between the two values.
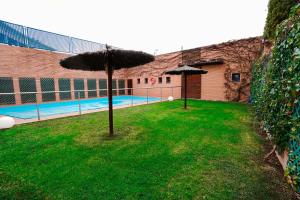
x=18, y=62
x=212, y=87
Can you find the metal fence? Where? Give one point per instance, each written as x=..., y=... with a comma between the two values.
x=17, y=35
x=35, y=106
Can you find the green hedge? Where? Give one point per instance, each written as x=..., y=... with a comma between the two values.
x=278, y=10
x=275, y=92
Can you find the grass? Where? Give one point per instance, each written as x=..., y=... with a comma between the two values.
x=160, y=151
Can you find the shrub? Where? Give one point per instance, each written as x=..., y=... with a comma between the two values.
x=275, y=90
x=278, y=10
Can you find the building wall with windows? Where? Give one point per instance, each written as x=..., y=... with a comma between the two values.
x=32, y=70
x=228, y=65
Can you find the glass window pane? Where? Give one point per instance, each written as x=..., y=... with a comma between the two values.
x=168, y=80
x=47, y=86
x=102, y=86
x=92, y=86
x=7, y=86
x=79, y=88
x=64, y=88
x=121, y=83
x=114, y=87
x=27, y=85
x=236, y=77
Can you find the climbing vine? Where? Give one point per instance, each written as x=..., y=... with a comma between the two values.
x=275, y=89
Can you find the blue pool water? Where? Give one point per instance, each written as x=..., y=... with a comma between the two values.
x=29, y=111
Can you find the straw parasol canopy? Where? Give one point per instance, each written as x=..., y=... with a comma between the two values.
x=116, y=59
x=108, y=60
x=184, y=71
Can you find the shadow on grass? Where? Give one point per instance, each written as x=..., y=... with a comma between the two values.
x=94, y=138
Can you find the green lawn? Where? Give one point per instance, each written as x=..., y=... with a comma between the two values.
x=161, y=151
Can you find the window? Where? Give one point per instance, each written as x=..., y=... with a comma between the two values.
x=121, y=84
x=235, y=77
x=7, y=86
x=64, y=85
x=146, y=81
x=160, y=80
x=168, y=80
x=47, y=86
x=27, y=85
x=92, y=88
x=138, y=81
x=114, y=87
x=79, y=87
x=103, y=87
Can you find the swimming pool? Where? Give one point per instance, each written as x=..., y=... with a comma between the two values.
x=29, y=111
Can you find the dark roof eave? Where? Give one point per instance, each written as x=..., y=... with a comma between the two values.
x=205, y=62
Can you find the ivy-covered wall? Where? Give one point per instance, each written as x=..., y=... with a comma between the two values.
x=275, y=90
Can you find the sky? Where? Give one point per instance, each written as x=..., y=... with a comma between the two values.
x=153, y=26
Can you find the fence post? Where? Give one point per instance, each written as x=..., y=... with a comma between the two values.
x=147, y=96
x=172, y=91
x=131, y=96
x=37, y=108
x=79, y=106
x=160, y=93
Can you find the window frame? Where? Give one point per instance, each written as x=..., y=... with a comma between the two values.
x=168, y=80
x=102, y=92
x=233, y=78
x=7, y=86
x=92, y=88
x=47, y=95
x=28, y=97
x=82, y=92
x=160, y=80
x=62, y=84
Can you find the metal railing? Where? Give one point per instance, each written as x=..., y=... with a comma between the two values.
x=35, y=108
x=18, y=35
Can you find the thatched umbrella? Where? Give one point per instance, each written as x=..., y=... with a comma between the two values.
x=184, y=71
x=108, y=60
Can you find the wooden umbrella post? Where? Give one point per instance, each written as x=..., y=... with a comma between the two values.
x=110, y=106
x=185, y=88
x=108, y=60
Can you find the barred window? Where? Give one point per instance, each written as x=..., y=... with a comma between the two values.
x=27, y=85
x=7, y=86
x=114, y=87
x=64, y=85
x=146, y=80
x=102, y=86
x=235, y=77
x=121, y=84
x=92, y=86
x=138, y=81
x=168, y=80
x=160, y=80
x=47, y=86
x=79, y=87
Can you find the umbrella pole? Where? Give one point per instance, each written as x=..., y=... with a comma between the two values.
x=110, y=106
x=185, y=88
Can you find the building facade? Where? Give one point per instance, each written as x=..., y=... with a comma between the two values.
x=25, y=70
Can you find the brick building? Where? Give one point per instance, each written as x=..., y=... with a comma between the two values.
x=228, y=78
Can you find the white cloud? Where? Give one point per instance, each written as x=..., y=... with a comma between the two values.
x=145, y=25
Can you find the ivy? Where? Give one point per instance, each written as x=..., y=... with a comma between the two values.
x=275, y=89
x=278, y=10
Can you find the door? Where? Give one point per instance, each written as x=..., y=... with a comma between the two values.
x=193, y=86
x=129, y=86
